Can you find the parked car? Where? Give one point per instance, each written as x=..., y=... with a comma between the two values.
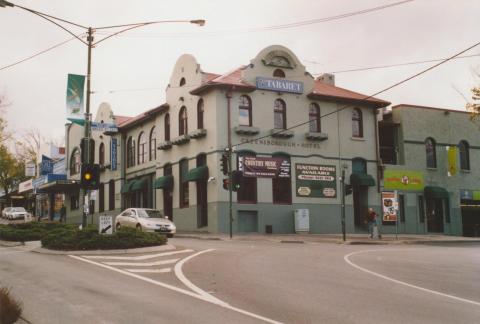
x=5, y=211
x=147, y=220
x=17, y=213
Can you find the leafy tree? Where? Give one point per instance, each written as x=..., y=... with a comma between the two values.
x=11, y=171
x=474, y=107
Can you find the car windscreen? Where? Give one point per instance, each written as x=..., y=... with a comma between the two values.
x=18, y=209
x=149, y=213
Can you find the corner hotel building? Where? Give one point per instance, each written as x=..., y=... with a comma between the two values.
x=168, y=157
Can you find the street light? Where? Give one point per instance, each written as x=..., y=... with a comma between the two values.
x=90, y=44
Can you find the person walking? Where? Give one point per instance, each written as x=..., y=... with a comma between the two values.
x=63, y=214
x=371, y=221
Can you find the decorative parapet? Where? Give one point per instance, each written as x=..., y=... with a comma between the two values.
x=165, y=145
x=183, y=139
x=281, y=133
x=198, y=133
x=314, y=136
x=246, y=130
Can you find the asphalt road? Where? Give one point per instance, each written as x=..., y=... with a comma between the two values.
x=253, y=282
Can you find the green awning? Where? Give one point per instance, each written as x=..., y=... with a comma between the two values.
x=127, y=187
x=139, y=184
x=200, y=173
x=435, y=192
x=165, y=182
x=361, y=179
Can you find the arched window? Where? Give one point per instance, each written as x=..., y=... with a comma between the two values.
x=314, y=117
x=75, y=162
x=183, y=121
x=130, y=152
x=280, y=114
x=463, y=149
x=279, y=73
x=182, y=82
x=244, y=111
x=101, y=154
x=431, y=153
x=357, y=123
x=142, y=152
x=167, y=127
x=200, y=109
x=153, y=144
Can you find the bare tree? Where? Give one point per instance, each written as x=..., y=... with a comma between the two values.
x=474, y=106
x=4, y=134
x=28, y=147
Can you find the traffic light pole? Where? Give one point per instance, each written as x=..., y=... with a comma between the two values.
x=343, y=204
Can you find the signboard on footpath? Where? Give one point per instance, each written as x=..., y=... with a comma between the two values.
x=105, y=225
x=389, y=206
x=316, y=181
x=264, y=167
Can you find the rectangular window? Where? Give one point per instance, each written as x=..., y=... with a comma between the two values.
x=421, y=210
x=247, y=193
x=74, y=203
x=183, y=184
x=401, y=207
x=101, y=198
x=111, y=195
x=282, y=190
x=447, y=210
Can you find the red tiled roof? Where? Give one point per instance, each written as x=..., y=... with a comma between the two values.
x=326, y=91
x=121, y=119
x=131, y=121
x=230, y=79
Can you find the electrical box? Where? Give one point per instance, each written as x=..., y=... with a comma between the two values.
x=302, y=220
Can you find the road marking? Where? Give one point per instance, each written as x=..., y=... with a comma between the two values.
x=205, y=297
x=133, y=258
x=346, y=258
x=141, y=264
x=165, y=270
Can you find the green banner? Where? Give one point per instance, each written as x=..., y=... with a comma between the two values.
x=316, y=181
x=75, y=90
x=403, y=180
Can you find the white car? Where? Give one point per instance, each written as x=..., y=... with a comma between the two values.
x=17, y=213
x=5, y=211
x=146, y=220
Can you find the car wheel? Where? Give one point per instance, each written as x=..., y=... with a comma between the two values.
x=139, y=227
x=118, y=226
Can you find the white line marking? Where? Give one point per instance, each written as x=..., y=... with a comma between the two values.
x=346, y=258
x=141, y=264
x=206, y=297
x=135, y=258
x=165, y=270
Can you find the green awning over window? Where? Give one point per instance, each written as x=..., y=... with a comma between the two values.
x=362, y=179
x=200, y=173
x=435, y=192
x=127, y=187
x=165, y=182
x=139, y=184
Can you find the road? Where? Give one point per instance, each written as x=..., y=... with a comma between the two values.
x=250, y=282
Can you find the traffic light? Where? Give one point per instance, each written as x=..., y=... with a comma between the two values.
x=348, y=189
x=224, y=163
x=236, y=179
x=226, y=183
x=87, y=146
x=90, y=176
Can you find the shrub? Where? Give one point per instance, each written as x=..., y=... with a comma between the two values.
x=10, y=309
x=29, y=231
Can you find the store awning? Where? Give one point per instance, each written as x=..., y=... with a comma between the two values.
x=60, y=186
x=127, y=187
x=433, y=192
x=165, y=182
x=362, y=179
x=200, y=173
x=139, y=184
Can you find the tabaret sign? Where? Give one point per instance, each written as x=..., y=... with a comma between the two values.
x=105, y=225
x=264, y=167
x=316, y=181
x=279, y=85
x=104, y=127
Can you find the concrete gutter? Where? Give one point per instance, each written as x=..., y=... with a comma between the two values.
x=166, y=247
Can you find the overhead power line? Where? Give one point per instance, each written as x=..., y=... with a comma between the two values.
x=370, y=96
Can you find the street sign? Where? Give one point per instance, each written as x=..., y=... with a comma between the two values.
x=105, y=225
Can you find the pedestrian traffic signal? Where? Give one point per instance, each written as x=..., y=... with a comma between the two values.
x=226, y=183
x=224, y=163
x=236, y=179
x=87, y=146
x=90, y=176
x=348, y=189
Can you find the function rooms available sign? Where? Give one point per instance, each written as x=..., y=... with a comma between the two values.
x=105, y=225
x=316, y=181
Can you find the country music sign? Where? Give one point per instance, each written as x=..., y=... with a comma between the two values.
x=279, y=85
x=264, y=167
x=316, y=181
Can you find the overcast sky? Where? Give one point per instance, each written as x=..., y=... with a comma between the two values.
x=132, y=71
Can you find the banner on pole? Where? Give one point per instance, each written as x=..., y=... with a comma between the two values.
x=389, y=201
x=75, y=92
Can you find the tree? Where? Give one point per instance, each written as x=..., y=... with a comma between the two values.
x=11, y=171
x=28, y=147
x=474, y=107
x=4, y=135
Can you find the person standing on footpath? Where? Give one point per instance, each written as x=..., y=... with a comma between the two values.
x=63, y=214
x=371, y=221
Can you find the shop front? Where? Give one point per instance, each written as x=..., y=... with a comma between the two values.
x=470, y=210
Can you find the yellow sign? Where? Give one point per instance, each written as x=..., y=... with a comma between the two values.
x=452, y=160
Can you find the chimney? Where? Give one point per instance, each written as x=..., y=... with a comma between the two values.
x=327, y=78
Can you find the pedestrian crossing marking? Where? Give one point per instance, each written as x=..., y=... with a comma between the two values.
x=149, y=270
x=135, y=258
x=141, y=264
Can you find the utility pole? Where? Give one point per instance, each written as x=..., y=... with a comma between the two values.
x=342, y=181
